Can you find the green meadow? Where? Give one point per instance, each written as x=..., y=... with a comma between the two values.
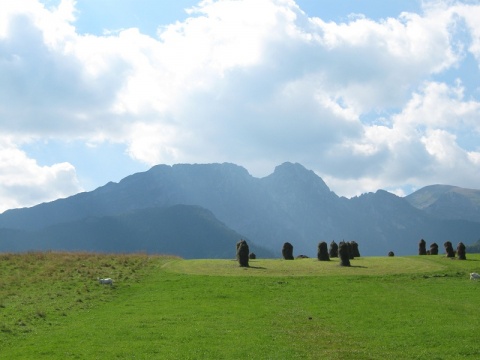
x=162, y=307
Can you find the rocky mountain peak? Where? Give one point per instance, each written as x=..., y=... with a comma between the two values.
x=296, y=176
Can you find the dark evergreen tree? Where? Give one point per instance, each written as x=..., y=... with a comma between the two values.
x=333, y=251
x=343, y=253
x=449, y=249
x=322, y=251
x=287, y=251
x=461, y=253
x=242, y=253
x=422, y=247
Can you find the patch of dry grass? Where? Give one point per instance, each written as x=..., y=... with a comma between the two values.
x=47, y=286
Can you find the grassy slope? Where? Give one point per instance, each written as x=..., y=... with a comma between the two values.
x=381, y=308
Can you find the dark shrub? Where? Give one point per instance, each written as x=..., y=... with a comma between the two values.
x=434, y=249
x=333, y=251
x=355, y=251
x=322, y=251
x=343, y=253
x=252, y=256
x=449, y=249
x=461, y=254
x=287, y=251
x=422, y=247
x=391, y=253
x=242, y=253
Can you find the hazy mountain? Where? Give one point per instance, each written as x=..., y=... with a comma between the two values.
x=291, y=204
x=385, y=220
x=187, y=231
x=447, y=202
x=213, y=186
x=474, y=248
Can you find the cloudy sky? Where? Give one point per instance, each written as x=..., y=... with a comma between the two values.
x=369, y=94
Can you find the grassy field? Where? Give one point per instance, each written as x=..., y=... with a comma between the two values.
x=52, y=307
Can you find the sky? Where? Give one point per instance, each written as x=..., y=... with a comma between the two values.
x=369, y=94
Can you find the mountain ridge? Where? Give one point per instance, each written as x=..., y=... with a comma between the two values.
x=447, y=202
x=292, y=204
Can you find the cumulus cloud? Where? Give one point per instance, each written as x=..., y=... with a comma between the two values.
x=25, y=183
x=419, y=146
x=255, y=82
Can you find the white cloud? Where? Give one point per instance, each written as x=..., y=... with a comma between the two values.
x=419, y=147
x=468, y=13
x=441, y=106
x=24, y=183
x=375, y=64
x=149, y=143
x=256, y=82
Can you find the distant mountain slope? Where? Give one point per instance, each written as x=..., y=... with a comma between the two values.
x=447, y=202
x=292, y=204
x=229, y=191
x=474, y=248
x=382, y=222
x=186, y=231
x=214, y=186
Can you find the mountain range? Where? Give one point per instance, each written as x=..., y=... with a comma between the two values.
x=202, y=210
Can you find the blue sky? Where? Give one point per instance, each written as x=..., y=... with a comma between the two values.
x=147, y=15
x=368, y=94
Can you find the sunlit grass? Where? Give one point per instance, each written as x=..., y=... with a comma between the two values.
x=44, y=287
x=165, y=308
x=312, y=267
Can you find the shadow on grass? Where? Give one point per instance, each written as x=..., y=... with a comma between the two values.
x=358, y=266
x=256, y=267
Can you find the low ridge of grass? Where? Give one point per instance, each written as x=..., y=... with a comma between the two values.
x=419, y=307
